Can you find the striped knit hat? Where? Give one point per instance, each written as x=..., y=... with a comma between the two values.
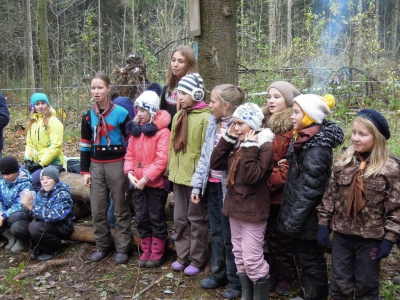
x=192, y=84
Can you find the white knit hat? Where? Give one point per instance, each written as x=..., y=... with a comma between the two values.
x=317, y=108
x=149, y=99
x=251, y=114
x=192, y=84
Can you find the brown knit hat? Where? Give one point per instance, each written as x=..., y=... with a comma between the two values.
x=287, y=90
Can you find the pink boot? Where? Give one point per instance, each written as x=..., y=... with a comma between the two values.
x=146, y=248
x=157, y=253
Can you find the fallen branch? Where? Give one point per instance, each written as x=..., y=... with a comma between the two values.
x=136, y=297
x=39, y=268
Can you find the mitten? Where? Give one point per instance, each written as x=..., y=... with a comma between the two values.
x=323, y=236
x=385, y=247
x=27, y=164
x=33, y=167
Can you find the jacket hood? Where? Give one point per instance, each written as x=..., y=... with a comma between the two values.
x=264, y=136
x=23, y=176
x=126, y=103
x=162, y=119
x=279, y=122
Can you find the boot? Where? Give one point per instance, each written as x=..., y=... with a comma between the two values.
x=18, y=247
x=247, y=286
x=11, y=239
x=261, y=289
x=146, y=248
x=157, y=253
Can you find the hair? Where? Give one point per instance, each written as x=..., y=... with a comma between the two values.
x=102, y=76
x=379, y=156
x=46, y=116
x=191, y=65
x=232, y=94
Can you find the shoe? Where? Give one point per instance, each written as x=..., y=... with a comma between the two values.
x=157, y=253
x=45, y=257
x=145, y=244
x=177, y=266
x=211, y=283
x=231, y=293
x=34, y=255
x=191, y=271
x=283, y=288
x=261, y=289
x=10, y=238
x=18, y=247
x=247, y=286
x=121, y=258
x=99, y=255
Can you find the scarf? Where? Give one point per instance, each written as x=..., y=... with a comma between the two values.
x=102, y=121
x=232, y=171
x=356, y=196
x=302, y=136
x=181, y=131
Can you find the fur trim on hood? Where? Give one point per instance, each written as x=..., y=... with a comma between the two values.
x=264, y=136
x=161, y=120
x=279, y=122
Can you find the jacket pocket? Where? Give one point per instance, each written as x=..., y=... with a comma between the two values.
x=244, y=190
x=374, y=189
x=372, y=232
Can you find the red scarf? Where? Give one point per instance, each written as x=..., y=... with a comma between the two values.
x=102, y=121
x=303, y=136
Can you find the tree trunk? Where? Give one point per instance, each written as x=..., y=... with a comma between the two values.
x=99, y=33
x=44, y=46
x=272, y=28
x=30, y=67
x=289, y=26
x=395, y=26
x=217, y=43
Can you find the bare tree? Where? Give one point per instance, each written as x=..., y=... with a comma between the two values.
x=44, y=46
x=30, y=68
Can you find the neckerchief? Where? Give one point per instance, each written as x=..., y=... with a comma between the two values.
x=181, y=131
x=102, y=121
x=302, y=136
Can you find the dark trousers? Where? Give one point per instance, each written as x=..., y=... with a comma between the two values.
x=311, y=260
x=280, y=256
x=15, y=217
x=150, y=212
x=222, y=259
x=353, y=270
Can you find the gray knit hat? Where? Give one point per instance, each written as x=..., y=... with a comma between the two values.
x=52, y=172
x=287, y=90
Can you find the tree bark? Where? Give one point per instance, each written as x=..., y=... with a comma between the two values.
x=44, y=46
x=30, y=68
x=272, y=28
x=289, y=26
x=395, y=26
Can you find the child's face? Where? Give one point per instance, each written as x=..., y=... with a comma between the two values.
x=361, y=138
x=99, y=90
x=40, y=107
x=297, y=117
x=10, y=177
x=276, y=102
x=143, y=115
x=47, y=183
x=178, y=65
x=241, y=128
x=185, y=100
x=218, y=106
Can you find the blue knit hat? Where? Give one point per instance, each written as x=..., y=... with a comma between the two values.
x=377, y=119
x=39, y=97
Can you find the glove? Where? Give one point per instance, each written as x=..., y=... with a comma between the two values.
x=27, y=164
x=323, y=236
x=33, y=167
x=385, y=247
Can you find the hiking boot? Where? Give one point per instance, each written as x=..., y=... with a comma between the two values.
x=157, y=253
x=283, y=288
x=211, y=283
x=99, y=255
x=145, y=244
x=121, y=258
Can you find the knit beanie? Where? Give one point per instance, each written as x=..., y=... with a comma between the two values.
x=150, y=98
x=52, y=172
x=192, y=84
x=39, y=97
x=377, y=119
x=251, y=114
x=314, y=107
x=287, y=90
x=9, y=165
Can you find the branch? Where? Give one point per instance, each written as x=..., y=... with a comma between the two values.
x=39, y=268
x=186, y=38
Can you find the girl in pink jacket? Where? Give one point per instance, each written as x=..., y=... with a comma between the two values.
x=145, y=162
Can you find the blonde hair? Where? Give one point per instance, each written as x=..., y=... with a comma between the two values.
x=379, y=156
x=191, y=65
x=46, y=116
x=232, y=94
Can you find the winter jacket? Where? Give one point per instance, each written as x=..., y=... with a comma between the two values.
x=379, y=218
x=181, y=166
x=147, y=154
x=308, y=177
x=281, y=125
x=55, y=207
x=248, y=199
x=202, y=172
x=44, y=143
x=10, y=193
x=4, y=118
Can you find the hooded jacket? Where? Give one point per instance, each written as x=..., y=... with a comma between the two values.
x=308, y=177
x=147, y=154
x=4, y=118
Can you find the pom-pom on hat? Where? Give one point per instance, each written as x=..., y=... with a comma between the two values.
x=150, y=98
x=377, y=119
x=9, y=165
x=314, y=107
x=192, y=84
x=39, y=97
x=287, y=90
x=251, y=114
x=52, y=172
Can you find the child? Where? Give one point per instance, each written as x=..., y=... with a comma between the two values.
x=145, y=162
x=50, y=219
x=188, y=132
x=310, y=159
x=361, y=205
x=277, y=118
x=12, y=183
x=210, y=184
x=246, y=151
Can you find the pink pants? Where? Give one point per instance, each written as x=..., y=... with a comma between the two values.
x=248, y=241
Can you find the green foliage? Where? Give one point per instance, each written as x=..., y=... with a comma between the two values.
x=389, y=290
x=14, y=271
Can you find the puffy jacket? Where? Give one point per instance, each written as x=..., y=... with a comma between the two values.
x=44, y=143
x=308, y=176
x=147, y=155
x=4, y=117
x=10, y=193
x=181, y=166
x=379, y=218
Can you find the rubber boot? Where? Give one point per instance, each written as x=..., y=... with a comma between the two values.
x=11, y=239
x=18, y=247
x=261, y=289
x=247, y=286
x=157, y=253
x=146, y=248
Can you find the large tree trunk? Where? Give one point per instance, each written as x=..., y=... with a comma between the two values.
x=44, y=46
x=217, y=43
x=395, y=26
x=272, y=28
x=30, y=68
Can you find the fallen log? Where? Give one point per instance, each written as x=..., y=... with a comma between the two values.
x=39, y=268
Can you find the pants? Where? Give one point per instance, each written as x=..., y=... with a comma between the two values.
x=15, y=217
x=150, y=212
x=354, y=273
x=110, y=212
x=191, y=226
x=280, y=256
x=311, y=260
x=105, y=178
x=222, y=258
x=248, y=241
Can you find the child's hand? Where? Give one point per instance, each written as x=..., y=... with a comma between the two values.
x=86, y=180
x=251, y=136
x=282, y=164
x=232, y=131
x=141, y=183
x=195, y=198
x=132, y=179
